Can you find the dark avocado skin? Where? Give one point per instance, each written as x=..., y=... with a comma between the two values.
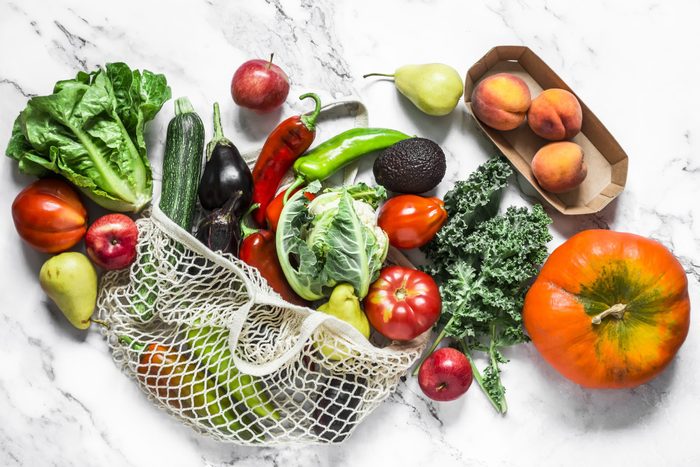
x=414, y=165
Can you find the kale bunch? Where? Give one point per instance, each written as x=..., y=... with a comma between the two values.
x=483, y=263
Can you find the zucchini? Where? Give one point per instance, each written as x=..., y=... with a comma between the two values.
x=182, y=164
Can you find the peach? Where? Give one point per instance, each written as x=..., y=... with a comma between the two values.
x=501, y=101
x=555, y=115
x=559, y=167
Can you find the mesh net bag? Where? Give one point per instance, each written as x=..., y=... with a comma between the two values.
x=208, y=340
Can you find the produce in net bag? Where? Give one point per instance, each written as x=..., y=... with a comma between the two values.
x=209, y=340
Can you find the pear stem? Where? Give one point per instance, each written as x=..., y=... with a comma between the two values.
x=104, y=324
x=386, y=75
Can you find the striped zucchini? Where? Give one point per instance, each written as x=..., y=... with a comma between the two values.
x=182, y=166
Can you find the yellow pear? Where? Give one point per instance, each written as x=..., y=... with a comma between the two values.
x=344, y=305
x=69, y=279
x=434, y=88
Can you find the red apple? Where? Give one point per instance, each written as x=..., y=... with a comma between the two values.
x=111, y=241
x=259, y=85
x=445, y=375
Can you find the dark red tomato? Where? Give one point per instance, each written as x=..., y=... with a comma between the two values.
x=274, y=209
x=411, y=221
x=49, y=215
x=403, y=303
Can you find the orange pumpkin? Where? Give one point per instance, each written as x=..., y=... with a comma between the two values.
x=609, y=309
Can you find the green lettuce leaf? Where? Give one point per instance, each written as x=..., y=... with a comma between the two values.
x=91, y=131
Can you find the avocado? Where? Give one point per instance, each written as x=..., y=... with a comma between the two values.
x=414, y=165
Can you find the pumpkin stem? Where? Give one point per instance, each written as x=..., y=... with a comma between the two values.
x=617, y=310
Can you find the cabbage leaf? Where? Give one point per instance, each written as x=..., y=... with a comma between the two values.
x=331, y=240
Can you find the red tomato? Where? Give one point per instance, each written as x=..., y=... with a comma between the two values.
x=49, y=215
x=403, y=303
x=274, y=209
x=411, y=221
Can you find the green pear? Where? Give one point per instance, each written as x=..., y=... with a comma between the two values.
x=434, y=88
x=71, y=282
x=344, y=305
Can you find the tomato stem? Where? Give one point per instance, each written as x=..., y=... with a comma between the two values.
x=400, y=293
x=617, y=311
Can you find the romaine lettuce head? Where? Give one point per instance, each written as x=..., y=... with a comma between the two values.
x=332, y=239
x=91, y=131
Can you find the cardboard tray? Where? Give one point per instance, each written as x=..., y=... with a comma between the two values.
x=606, y=160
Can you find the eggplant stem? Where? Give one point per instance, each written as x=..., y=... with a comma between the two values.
x=218, y=130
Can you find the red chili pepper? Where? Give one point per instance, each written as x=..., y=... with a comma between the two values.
x=284, y=145
x=258, y=250
x=274, y=209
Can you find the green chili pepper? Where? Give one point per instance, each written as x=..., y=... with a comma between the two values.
x=332, y=155
x=210, y=346
x=176, y=381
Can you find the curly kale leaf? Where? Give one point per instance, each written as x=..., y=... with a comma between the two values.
x=484, y=266
x=469, y=202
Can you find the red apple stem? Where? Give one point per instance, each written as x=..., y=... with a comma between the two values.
x=269, y=64
x=386, y=75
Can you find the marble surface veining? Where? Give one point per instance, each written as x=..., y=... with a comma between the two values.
x=62, y=400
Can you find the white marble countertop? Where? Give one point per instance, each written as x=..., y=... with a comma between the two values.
x=64, y=402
